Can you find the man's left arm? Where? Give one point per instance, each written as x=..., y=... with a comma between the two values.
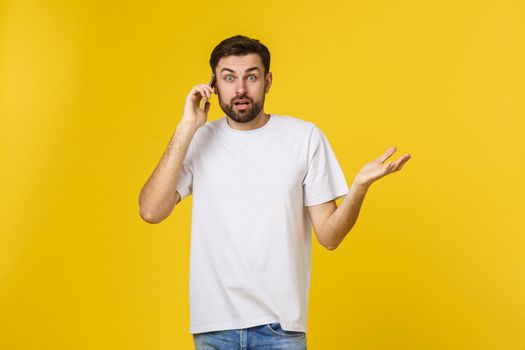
x=332, y=223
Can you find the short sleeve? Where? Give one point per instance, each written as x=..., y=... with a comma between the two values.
x=185, y=184
x=324, y=179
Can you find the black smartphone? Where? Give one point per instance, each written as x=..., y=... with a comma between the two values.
x=212, y=84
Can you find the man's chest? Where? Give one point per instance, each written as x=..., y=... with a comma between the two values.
x=250, y=168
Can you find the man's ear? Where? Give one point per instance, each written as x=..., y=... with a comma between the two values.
x=267, y=82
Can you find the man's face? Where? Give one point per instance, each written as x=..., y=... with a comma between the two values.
x=241, y=86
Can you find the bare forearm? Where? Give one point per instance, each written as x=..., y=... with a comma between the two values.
x=157, y=197
x=341, y=221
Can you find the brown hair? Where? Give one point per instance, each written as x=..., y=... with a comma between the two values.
x=240, y=45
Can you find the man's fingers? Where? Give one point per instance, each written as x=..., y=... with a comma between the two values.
x=208, y=93
x=208, y=89
x=197, y=94
x=401, y=161
x=194, y=94
x=203, y=92
x=387, y=154
x=386, y=167
x=199, y=91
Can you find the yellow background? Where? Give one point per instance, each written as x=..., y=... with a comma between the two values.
x=91, y=92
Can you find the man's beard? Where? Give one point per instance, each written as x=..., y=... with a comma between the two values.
x=241, y=116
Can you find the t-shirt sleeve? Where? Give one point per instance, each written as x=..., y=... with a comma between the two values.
x=185, y=183
x=324, y=179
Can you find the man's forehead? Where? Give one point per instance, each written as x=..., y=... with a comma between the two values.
x=240, y=63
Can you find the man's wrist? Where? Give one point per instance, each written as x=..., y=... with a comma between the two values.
x=187, y=127
x=359, y=187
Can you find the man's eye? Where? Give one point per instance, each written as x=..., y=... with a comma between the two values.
x=228, y=77
x=252, y=77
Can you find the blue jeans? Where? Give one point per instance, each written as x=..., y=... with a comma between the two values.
x=267, y=336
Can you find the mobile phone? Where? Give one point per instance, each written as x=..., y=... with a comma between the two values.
x=212, y=84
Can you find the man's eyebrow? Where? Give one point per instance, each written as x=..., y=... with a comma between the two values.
x=248, y=70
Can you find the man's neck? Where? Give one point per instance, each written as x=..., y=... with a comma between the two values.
x=255, y=123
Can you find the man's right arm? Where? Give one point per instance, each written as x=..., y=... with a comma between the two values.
x=158, y=197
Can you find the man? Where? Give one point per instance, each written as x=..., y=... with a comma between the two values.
x=259, y=182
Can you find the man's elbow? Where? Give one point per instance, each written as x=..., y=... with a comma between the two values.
x=334, y=243
x=155, y=214
x=331, y=247
x=151, y=218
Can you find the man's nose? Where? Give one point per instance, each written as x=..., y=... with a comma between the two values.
x=240, y=88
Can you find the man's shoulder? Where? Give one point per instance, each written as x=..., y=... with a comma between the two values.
x=293, y=122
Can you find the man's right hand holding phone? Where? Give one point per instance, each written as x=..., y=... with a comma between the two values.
x=193, y=114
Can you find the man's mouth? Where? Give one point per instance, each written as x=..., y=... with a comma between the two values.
x=242, y=104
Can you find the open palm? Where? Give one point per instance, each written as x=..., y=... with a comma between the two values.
x=376, y=169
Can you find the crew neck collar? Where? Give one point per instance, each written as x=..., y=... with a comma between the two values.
x=259, y=130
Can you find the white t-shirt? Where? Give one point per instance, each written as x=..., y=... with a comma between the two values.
x=250, y=232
